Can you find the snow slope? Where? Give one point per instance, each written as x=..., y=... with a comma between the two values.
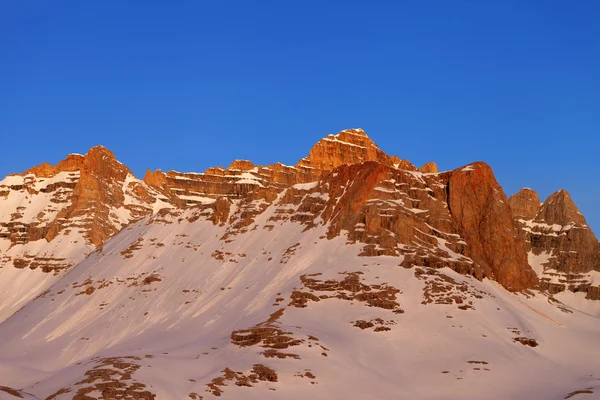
x=169, y=305
x=39, y=241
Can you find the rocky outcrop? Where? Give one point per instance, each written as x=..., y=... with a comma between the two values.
x=562, y=247
x=351, y=146
x=525, y=204
x=482, y=214
x=459, y=219
x=559, y=209
x=222, y=209
x=102, y=188
x=430, y=168
x=86, y=199
x=242, y=177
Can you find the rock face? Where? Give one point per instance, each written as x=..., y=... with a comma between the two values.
x=351, y=146
x=480, y=209
x=430, y=168
x=95, y=190
x=396, y=213
x=525, y=204
x=348, y=147
x=562, y=248
x=559, y=209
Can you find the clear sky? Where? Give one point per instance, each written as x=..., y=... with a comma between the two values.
x=185, y=85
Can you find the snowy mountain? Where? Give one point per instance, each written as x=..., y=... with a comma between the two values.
x=352, y=274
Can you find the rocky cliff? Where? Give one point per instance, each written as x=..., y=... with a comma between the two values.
x=562, y=248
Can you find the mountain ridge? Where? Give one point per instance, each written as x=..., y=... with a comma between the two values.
x=268, y=281
x=175, y=189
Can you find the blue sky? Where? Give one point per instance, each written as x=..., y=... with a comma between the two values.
x=186, y=85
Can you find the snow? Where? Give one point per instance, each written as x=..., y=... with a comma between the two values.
x=537, y=262
x=12, y=180
x=579, y=302
x=322, y=196
x=249, y=182
x=28, y=205
x=21, y=285
x=305, y=186
x=554, y=227
x=199, y=199
x=338, y=140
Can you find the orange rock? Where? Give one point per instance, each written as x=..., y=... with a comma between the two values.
x=351, y=146
x=430, y=167
x=73, y=162
x=525, y=204
x=480, y=209
x=558, y=228
x=405, y=164
x=560, y=209
x=156, y=179
x=241, y=165
x=222, y=208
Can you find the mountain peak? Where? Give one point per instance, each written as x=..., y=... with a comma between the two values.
x=525, y=204
x=352, y=131
x=102, y=151
x=97, y=155
x=430, y=167
x=350, y=146
x=560, y=209
x=240, y=165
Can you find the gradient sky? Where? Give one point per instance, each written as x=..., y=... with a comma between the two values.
x=185, y=85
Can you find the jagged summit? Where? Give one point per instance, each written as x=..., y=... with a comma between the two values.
x=560, y=209
x=350, y=146
x=430, y=168
x=94, y=158
x=525, y=203
x=562, y=248
x=557, y=209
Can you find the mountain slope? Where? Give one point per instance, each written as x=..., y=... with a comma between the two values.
x=176, y=315
x=352, y=274
x=53, y=216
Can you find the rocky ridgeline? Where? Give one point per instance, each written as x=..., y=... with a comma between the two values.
x=348, y=147
x=556, y=233
x=459, y=219
x=80, y=202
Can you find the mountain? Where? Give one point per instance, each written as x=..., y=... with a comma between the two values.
x=352, y=274
x=561, y=246
x=52, y=217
